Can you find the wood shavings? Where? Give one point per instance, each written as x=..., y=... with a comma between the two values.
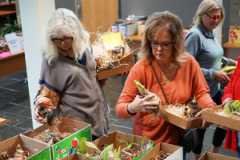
x=180, y=110
x=20, y=154
x=51, y=136
x=161, y=156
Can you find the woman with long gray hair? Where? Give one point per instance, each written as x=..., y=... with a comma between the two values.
x=68, y=75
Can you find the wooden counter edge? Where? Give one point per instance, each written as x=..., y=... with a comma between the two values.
x=231, y=45
x=2, y=121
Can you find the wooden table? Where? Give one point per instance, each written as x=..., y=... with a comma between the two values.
x=125, y=64
x=134, y=41
x=2, y=121
x=12, y=64
x=227, y=46
x=135, y=38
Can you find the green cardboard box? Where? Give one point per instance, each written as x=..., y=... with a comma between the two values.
x=67, y=146
x=37, y=150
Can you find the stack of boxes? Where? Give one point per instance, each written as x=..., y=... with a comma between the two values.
x=131, y=26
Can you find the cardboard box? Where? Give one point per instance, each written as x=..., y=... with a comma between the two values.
x=176, y=152
x=125, y=64
x=184, y=123
x=128, y=29
x=120, y=139
x=231, y=121
x=63, y=149
x=38, y=150
x=215, y=156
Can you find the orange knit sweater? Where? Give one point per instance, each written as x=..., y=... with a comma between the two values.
x=189, y=82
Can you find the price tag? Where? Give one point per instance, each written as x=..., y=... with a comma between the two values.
x=15, y=43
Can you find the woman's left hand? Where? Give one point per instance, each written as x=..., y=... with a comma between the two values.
x=221, y=76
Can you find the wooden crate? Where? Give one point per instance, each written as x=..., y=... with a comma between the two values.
x=125, y=64
x=215, y=156
x=230, y=121
x=184, y=123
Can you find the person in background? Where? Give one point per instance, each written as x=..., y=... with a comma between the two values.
x=68, y=74
x=201, y=42
x=232, y=92
x=167, y=72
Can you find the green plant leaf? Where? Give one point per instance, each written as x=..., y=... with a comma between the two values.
x=82, y=145
x=9, y=28
x=92, y=146
x=106, y=152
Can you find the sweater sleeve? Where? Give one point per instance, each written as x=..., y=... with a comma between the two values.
x=200, y=87
x=193, y=46
x=193, y=43
x=56, y=76
x=228, y=90
x=129, y=91
x=49, y=77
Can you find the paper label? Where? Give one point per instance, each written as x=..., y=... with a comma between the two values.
x=15, y=43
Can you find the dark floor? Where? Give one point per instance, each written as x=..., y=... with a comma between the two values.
x=15, y=106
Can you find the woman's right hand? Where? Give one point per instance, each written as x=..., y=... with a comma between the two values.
x=39, y=117
x=42, y=102
x=221, y=76
x=148, y=103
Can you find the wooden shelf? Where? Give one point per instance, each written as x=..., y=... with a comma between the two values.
x=7, y=4
x=231, y=45
x=126, y=64
x=7, y=12
x=135, y=38
x=2, y=121
x=12, y=64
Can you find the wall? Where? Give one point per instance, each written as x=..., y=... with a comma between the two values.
x=69, y=4
x=99, y=15
x=226, y=4
x=235, y=12
x=184, y=8
x=233, y=18
x=96, y=15
x=34, y=22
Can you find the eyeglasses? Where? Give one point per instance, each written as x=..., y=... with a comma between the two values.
x=214, y=17
x=59, y=40
x=163, y=45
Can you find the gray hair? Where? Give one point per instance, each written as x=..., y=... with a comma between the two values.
x=65, y=23
x=175, y=28
x=207, y=6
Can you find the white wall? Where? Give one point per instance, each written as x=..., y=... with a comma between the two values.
x=34, y=16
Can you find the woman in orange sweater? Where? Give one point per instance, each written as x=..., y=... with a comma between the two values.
x=169, y=73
